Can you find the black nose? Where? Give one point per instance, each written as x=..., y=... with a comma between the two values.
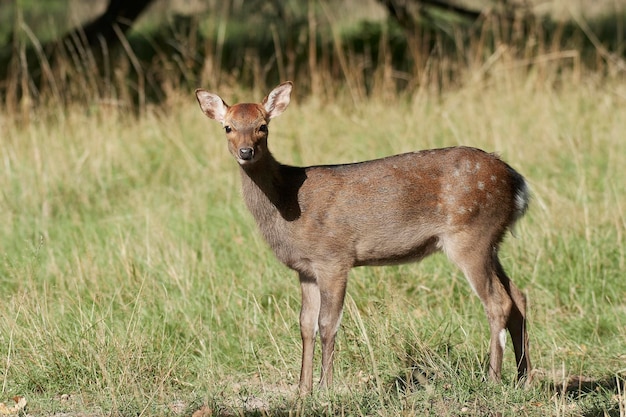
x=246, y=153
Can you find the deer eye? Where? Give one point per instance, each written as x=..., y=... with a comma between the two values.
x=228, y=129
x=263, y=128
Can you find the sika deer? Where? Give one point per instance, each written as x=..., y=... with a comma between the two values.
x=321, y=221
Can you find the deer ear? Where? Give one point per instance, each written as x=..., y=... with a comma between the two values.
x=212, y=105
x=278, y=99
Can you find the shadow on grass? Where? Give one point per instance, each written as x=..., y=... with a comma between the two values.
x=592, y=397
x=579, y=385
x=594, y=391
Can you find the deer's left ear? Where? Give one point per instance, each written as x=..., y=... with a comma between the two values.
x=278, y=99
x=212, y=105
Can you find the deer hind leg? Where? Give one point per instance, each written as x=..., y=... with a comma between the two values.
x=309, y=316
x=477, y=259
x=517, y=322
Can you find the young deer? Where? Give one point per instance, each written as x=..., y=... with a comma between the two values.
x=323, y=220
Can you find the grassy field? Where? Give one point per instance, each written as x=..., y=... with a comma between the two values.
x=134, y=282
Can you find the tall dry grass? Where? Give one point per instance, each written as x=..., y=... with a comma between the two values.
x=312, y=43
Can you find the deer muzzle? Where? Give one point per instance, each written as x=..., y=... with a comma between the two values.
x=246, y=154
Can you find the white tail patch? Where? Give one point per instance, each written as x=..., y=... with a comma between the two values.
x=522, y=197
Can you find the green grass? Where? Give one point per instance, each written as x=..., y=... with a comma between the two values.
x=134, y=282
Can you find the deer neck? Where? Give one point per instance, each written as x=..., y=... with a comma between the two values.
x=270, y=190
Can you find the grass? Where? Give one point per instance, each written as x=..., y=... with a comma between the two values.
x=134, y=281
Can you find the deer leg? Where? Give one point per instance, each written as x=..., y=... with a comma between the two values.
x=332, y=291
x=498, y=305
x=480, y=270
x=517, y=323
x=309, y=315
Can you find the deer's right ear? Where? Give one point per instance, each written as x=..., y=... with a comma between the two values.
x=212, y=105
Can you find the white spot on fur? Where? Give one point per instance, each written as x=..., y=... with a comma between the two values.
x=502, y=337
x=481, y=185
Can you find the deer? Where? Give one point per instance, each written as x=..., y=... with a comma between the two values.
x=321, y=221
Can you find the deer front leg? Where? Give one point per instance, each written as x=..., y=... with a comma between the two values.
x=332, y=292
x=309, y=315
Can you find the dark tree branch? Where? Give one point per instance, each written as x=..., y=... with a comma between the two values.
x=120, y=13
x=451, y=7
x=400, y=12
x=407, y=12
x=98, y=36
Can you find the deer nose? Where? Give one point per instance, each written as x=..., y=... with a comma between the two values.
x=246, y=153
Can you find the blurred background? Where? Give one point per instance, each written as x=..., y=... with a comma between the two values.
x=144, y=51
